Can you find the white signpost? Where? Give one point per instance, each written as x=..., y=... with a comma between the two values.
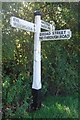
x=56, y=35
x=47, y=26
x=39, y=36
x=22, y=24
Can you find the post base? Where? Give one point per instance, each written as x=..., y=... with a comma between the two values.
x=36, y=103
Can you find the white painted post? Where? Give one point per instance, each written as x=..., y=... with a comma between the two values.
x=36, y=85
x=37, y=53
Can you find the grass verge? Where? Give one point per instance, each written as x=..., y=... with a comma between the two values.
x=57, y=107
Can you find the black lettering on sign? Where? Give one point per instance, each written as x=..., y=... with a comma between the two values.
x=44, y=26
x=64, y=32
x=61, y=32
x=15, y=19
x=53, y=33
x=56, y=36
x=41, y=37
x=67, y=35
x=16, y=24
x=62, y=36
x=22, y=26
x=58, y=32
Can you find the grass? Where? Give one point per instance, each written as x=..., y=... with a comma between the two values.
x=57, y=107
x=53, y=107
